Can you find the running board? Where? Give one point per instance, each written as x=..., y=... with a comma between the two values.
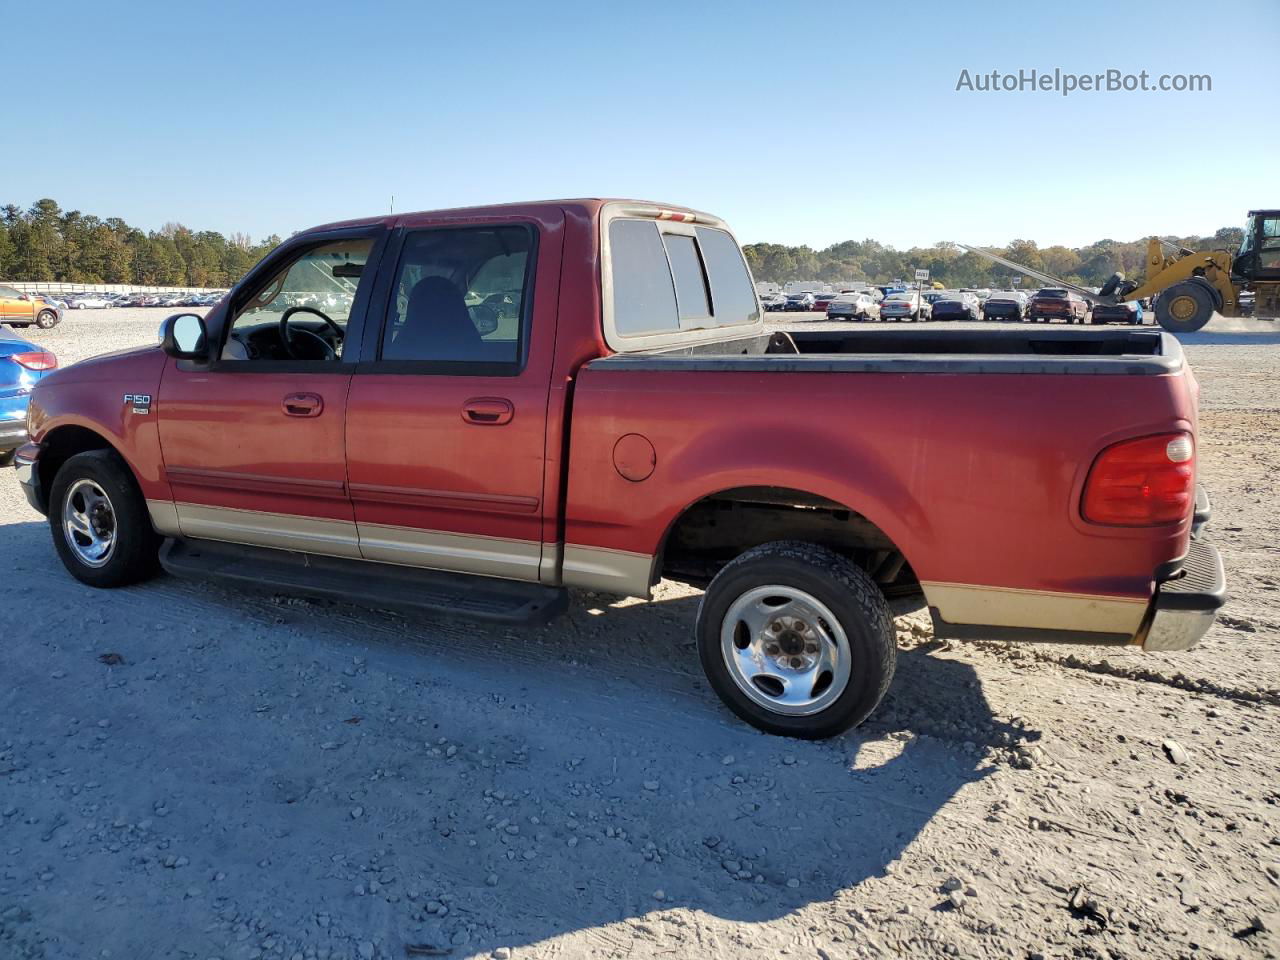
x=364, y=582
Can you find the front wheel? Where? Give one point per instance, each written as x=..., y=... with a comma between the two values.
x=99, y=521
x=796, y=640
x=46, y=319
x=1184, y=308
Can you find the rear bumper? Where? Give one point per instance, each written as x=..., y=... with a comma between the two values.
x=1186, y=605
x=1187, y=602
x=27, y=463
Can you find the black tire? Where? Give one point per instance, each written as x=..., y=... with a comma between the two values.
x=6, y=457
x=47, y=319
x=134, y=555
x=858, y=606
x=1113, y=282
x=1184, y=308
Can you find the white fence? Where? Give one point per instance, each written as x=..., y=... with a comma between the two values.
x=29, y=286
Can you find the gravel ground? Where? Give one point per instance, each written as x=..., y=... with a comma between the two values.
x=191, y=772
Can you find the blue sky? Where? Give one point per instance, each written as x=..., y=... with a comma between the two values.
x=797, y=123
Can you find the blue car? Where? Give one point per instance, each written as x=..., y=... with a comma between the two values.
x=22, y=364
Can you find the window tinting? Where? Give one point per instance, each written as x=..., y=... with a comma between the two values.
x=732, y=295
x=644, y=300
x=460, y=296
x=691, y=283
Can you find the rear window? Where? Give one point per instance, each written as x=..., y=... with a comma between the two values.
x=691, y=281
x=665, y=281
x=644, y=298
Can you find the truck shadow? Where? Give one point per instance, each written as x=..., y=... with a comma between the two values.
x=652, y=789
x=594, y=737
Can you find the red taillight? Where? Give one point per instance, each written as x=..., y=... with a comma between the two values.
x=40, y=360
x=1142, y=483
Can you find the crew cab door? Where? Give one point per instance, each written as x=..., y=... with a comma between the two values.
x=446, y=419
x=253, y=439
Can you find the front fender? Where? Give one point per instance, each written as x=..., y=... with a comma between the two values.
x=92, y=396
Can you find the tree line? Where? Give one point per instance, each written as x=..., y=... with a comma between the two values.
x=871, y=261
x=46, y=243
x=50, y=244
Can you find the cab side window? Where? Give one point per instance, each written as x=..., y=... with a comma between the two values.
x=301, y=313
x=460, y=300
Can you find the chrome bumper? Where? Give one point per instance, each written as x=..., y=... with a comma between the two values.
x=1187, y=603
x=26, y=462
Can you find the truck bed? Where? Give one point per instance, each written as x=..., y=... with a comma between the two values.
x=1081, y=352
x=968, y=449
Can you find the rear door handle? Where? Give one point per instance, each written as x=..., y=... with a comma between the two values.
x=488, y=411
x=302, y=405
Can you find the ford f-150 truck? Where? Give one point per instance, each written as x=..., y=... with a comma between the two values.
x=471, y=411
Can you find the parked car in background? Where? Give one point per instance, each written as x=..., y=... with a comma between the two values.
x=907, y=305
x=773, y=302
x=18, y=309
x=52, y=300
x=1056, y=303
x=22, y=364
x=821, y=301
x=90, y=301
x=1129, y=312
x=798, y=302
x=853, y=306
x=1005, y=305
x=956, y=306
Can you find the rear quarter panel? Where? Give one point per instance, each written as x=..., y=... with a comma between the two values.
x=976, y=477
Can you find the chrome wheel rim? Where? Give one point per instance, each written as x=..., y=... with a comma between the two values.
x=785, y=650
x=89, y=523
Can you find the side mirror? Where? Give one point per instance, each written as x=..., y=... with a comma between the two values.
x=183, y=337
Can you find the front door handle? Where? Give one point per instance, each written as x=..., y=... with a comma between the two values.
x=302, y=405
x=488, y=411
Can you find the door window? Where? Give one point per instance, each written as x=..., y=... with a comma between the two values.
x=301, y=312
x=460, y=301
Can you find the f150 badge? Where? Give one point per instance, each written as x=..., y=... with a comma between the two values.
x=141, y=402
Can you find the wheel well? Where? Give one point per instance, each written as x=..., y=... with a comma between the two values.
x=60, y=446
x=714, y=530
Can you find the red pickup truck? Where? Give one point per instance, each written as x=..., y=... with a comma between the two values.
x=470, y=411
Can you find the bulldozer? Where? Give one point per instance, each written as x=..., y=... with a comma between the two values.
x=1189, y=286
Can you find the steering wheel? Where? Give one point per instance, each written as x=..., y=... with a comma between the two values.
x=287, y=339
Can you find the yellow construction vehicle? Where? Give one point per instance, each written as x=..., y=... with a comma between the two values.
x=1190, y=285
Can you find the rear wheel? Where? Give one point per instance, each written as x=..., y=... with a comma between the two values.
x=796, y=640
x=99, y=521
x=1184, y=307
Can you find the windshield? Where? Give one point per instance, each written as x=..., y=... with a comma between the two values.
x=1062, y=294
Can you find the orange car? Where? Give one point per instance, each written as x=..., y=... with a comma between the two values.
x=18, y=309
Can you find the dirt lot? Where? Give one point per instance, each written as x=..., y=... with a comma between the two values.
x=189, y=772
